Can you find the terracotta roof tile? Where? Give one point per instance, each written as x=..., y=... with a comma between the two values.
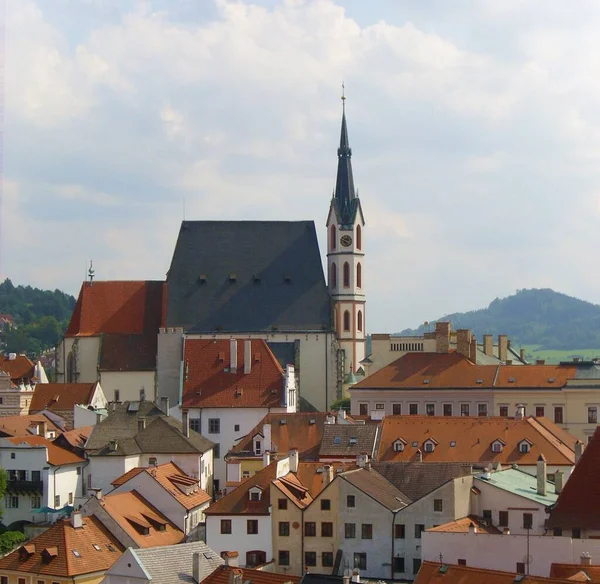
x=573, y=508
x=469, y=440
x=22, y=425
x=169, y=476
x=61, y=396
x=65, y=539
x=436, y=573
x=428, y=371
x=132, y=512
x=238, y=502
x=76, y=438
x=122, y=307
x=57, y=456
x=209, y=383
x=463, y=525
x=21, y=367
x=222, y=573
x=298, y=431
x=574, y=572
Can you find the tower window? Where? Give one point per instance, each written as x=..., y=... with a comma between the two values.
x=346, y=275
x=359, y=275
x=333, y=242
x=346, y=320
x=359, y=322
x=333, y=276
x=358, y=237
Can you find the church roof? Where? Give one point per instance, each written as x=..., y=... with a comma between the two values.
x=345, y=199
x=247, y=276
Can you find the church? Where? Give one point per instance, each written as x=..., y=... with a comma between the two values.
x=234, y=280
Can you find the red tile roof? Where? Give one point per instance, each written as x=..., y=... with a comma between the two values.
x=22, y=425
x=21, y=367
x=436, y=573
x=209, y=383
x=77, y=437
x=428, y=371
x=132, y=512
x=122, y=307
x=303, y=431
x=573, y=508
x=473, y=438
x=66, y=539
x=60, y=397
x=222, y=573
x=575, y=572
x=57, y=456
x=308, y=478
x=169, y=476
x=463, y=525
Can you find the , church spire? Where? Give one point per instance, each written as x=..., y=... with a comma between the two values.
x=345, y=195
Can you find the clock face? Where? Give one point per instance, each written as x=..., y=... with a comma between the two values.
x=346, y=241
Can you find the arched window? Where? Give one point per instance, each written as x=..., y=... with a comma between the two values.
x=333, y=276
x=346, y=275
x=359, y=323
x=346, y=320
x=333, y=242
x=71, y=374
x=359, y=275
x=358, y=237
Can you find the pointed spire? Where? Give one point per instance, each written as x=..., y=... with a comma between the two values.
x=345, y=195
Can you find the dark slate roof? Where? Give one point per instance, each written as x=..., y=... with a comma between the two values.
x=417, y=479
x=344, y=200
x=349, y=440
x=162, y=434
x=128, y=352
x=284, y=352
x=377, y=487
x=247, y=276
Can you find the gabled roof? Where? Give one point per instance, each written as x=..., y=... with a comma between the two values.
x=573, y=508
x=209, y=381
x=436, y=573
x=243, y=276
x=134, y=513
x=122, y=307
x=298, y=431
x=464, y=524
x=417, y=479
x=23, y=425
x=469, y=439
x=21, y=367
x=575, y=572
x=377, y=487
x=57, y=456
x=162, y=434
x=349, y=440
x=174, y=481
x=301, y=487
x=238, y=502
x=222, y=576
x=427, y=371
x=66, y=539
x=173, y=564
x=61, y=396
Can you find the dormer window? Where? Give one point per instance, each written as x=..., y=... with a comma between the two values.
x=398, y=445
x=254, y=494
x=498, y=446
x=429, y=445
x=524, y=446
x=258, y=446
